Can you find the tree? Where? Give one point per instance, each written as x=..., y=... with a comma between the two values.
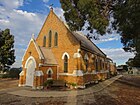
x=1, y=39
x=7, y=51
x=92, y=13
x=126, y=15
x=97, y=14
x=130, y=62
x=134, y=62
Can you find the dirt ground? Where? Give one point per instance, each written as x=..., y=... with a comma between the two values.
x=118, y=93
x=8, y=83
x=124, y=91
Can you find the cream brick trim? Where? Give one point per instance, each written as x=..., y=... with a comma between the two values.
x=49, y=69
x=76, y=55
x=31, y=57
x=49, y=78
x=79, y=73
x=21, y=73
x=86, y=56
x=68, y=74
x=37, y=48
x=38, y=73
x=87, y=83
x=75, y=73
x=19, y=85
x=81, y=87
x=94, y=72
x=65, y=54
x=40, y=64
x=103, y=71
x=39, y=87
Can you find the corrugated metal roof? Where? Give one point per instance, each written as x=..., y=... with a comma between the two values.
x=88, y=44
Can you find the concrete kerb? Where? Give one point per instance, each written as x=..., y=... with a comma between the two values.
x=90, y=90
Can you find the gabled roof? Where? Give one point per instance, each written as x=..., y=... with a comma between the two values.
x=37, y=48
x=88, y=44
x=48, y=55
x=85, y=43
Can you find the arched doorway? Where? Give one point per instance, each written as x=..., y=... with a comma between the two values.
x=30, y=65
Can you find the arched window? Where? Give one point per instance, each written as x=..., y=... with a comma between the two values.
x=50, y=38
x=56, y=39
x=65, y=63
x=86, y=60
x=100, y=64
x=96, y=65
x=44, y=41
x=93, y=59
x=49, y=74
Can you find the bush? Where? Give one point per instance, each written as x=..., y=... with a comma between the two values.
x=4, y=76
x=72, y=84
x=48, y=83
x=14, y=73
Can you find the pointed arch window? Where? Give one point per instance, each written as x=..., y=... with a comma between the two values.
x=86, y=58
x=56, y=39
x=100, y=64
x=44, y=41
x=96, y=65
x=50, y=38
x=49, y=74
x=65, y=63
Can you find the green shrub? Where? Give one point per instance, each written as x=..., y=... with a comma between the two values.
x=45, y=83
x=14, y=73
x=73, y=84
x=4, y=76
x=48, y=83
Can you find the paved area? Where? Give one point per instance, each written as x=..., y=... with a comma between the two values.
x=117, y=93
x=89, y=90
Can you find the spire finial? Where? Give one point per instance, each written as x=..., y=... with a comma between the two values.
x=51, y=6
x=33, y=36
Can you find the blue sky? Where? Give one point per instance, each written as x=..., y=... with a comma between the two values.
x=25, y=17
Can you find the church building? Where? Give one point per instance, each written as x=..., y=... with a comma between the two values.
x=60, y=54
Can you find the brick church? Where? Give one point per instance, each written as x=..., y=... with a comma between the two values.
x=60, y=54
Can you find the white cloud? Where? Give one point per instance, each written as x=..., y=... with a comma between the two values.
x=2, y=21
x=107, y=38
x=21, y=23
x=11, y=4
x=45, y=1
x=59, y=12
x=118, y=55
